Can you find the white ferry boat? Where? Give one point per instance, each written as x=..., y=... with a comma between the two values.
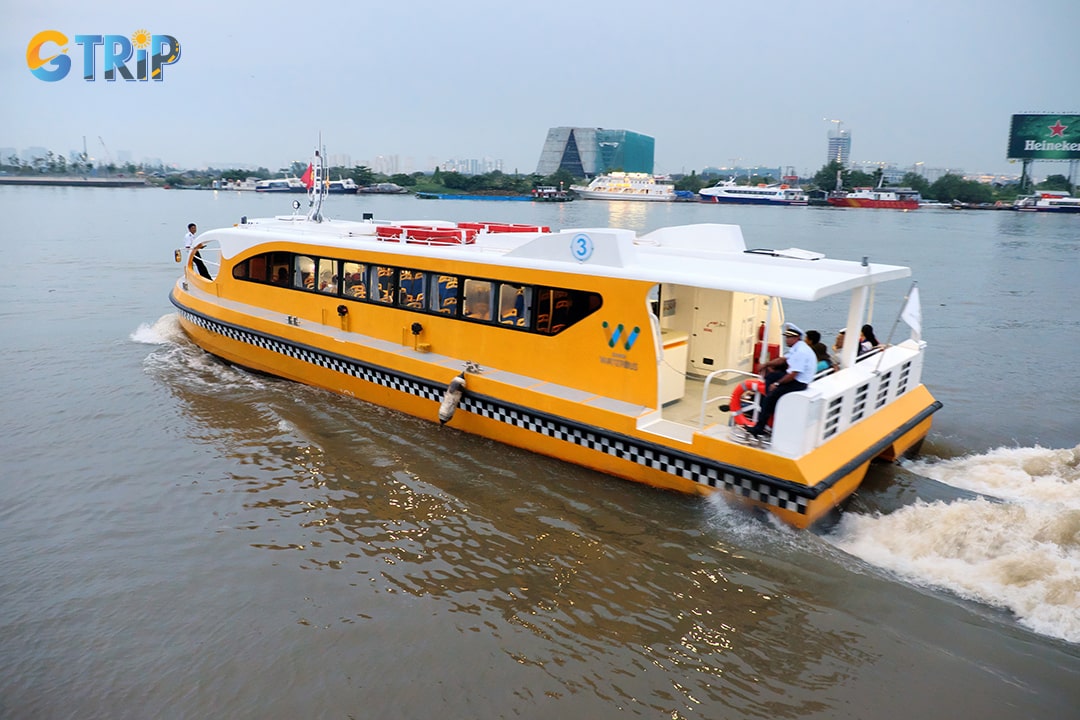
x=246, y=185
x=1056, y=201
x=286, y=184
x=633, y=355
x=641, y=187
x=726, y=191
x=342, y=186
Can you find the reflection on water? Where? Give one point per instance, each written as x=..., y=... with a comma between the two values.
x=596, y=583
x=186, y=539
x=624, y=214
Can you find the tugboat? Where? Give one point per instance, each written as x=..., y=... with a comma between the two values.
x=549, y=193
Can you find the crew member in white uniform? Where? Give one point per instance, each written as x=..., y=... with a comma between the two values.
x=801, y=363
x=189, y=239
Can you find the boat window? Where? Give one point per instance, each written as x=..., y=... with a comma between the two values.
x=411, y=289
x=478, y=299
x=328, y=276
x=443, y=295
x=352, y=274
x=558, y=309
x=544, y=310
x=252, y=269
x=381, y=283
x=304, y=273
x=515, y=305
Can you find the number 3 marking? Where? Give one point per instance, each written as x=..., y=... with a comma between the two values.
x=581, y=247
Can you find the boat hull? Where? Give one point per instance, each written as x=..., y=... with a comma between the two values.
x=629, y=197
x=871, y=203
x=1070, y=209
x=726, y=200
x=799, y=491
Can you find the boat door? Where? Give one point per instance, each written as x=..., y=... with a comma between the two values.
x=723, y=330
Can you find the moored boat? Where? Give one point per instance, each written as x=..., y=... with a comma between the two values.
x=640, y=187
x=1055, y=201
x=286, y=184
x=549, y=193
x=882, y=198
x=246, y=185
x=726, y=191
x=387, y=188
x=633, y=355
x=342, y=186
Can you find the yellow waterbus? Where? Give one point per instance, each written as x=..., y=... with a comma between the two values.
x=612, y=350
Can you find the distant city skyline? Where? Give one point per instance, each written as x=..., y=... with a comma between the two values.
x=928, y=84
x=392, y=164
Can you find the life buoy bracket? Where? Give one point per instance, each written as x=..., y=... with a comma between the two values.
x=735, y=405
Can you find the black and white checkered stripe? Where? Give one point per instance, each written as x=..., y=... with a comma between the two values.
x=761, y=488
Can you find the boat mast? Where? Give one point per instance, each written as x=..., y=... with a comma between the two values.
x=318, y=188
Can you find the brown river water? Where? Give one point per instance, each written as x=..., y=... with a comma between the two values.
x=183, y=539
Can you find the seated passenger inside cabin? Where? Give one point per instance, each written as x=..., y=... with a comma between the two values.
x=479, y=310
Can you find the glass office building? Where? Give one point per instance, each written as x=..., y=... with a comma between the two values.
x=839, y=147
x=586, y=152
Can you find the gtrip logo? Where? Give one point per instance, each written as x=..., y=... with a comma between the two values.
x=48, y=59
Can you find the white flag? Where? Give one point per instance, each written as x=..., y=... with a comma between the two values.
x=912, y=312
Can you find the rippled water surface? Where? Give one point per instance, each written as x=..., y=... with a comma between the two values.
x=185, y=539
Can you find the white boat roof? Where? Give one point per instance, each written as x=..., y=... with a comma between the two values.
x=706, y=255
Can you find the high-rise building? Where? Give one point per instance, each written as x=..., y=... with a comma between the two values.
x=585, y=152
x=839, y=147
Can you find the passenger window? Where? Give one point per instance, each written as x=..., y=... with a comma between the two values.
x=305, y=273
x=443, y=294
x=382, y=284
x=478, y=299
x=558, y=309
x=329, y=280
x=411, y=289
x=352, y=275
x=515, y=305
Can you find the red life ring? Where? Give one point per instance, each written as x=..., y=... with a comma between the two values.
x=756, y=385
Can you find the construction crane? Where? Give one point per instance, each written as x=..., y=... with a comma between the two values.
x=108, y=157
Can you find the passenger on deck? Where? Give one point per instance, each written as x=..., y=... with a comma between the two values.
x=867, y=341
x=800, y=371
x=838, y=344
x=813, y=339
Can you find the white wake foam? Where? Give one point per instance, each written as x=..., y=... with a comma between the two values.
x=1018, y=474
x=1022, y=554
x=166, y=330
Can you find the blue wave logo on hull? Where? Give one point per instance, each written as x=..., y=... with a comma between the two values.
x=613, y=336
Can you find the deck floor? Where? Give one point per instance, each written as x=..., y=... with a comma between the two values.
x=687, y=410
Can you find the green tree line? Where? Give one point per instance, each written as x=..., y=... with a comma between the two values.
x=947, y=188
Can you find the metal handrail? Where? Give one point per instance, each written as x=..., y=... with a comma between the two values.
x=705, y=399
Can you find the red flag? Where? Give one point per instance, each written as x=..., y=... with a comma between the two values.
x=308, y=177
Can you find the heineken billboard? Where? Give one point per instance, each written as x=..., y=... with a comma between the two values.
x=1044, y=137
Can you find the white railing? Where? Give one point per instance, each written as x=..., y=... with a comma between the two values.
x=805, y=420
x=705, y=399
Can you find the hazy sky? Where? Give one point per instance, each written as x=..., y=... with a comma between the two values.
x=932, y=81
